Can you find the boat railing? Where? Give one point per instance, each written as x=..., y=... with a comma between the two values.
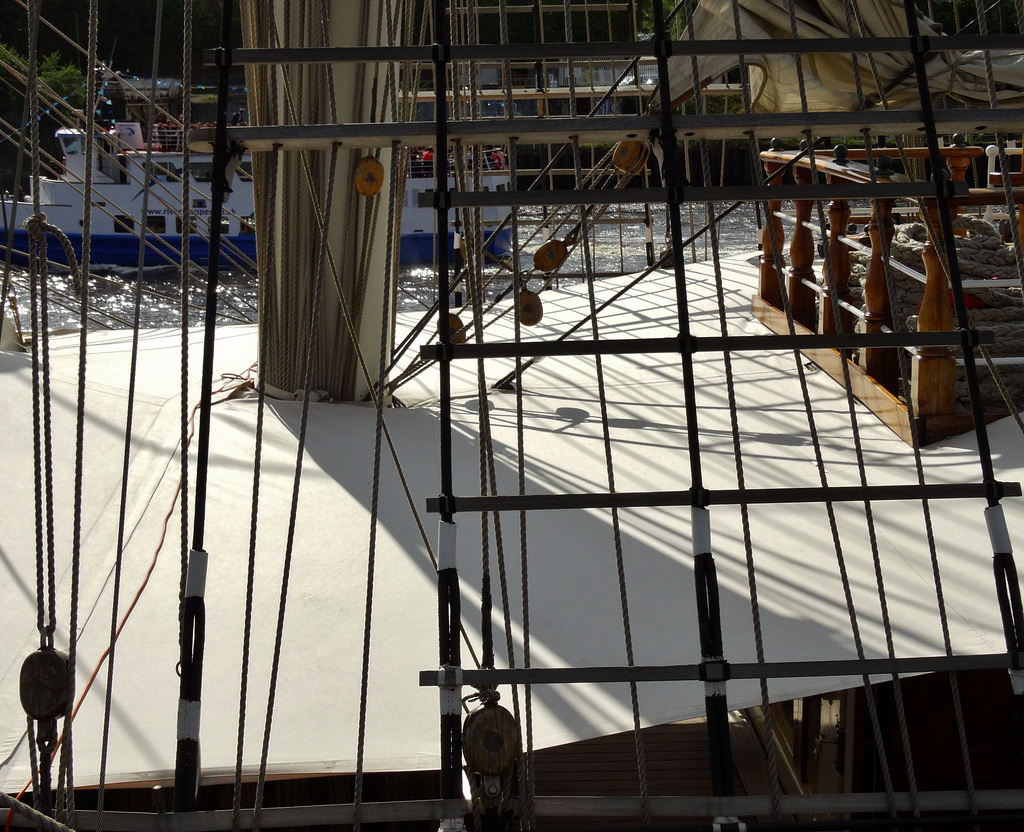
x=829, y=306
x=421, y=161
x=994, y=177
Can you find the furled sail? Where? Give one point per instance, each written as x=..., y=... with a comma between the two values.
x=830, y=78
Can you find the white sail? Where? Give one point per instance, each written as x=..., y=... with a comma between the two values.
x=829, y=78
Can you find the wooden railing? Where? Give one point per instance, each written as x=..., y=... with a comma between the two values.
x=875, y=376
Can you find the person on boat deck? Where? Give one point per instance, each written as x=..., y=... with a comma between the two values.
x=104, y=111
x=239, y=117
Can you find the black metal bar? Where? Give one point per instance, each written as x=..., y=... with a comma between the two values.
x=662, y=807
x=706, y=584
x=613, y=128
x=743, y=670
x=724, y=193
x=186, y=765
x=529, y=52
x=722, y=497
x=702, y=344
x=448, y=598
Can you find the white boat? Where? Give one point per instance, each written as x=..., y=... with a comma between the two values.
x=119, y=177
x=418, y=238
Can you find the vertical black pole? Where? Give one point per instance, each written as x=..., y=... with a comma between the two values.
x=714, y=669
x=448, y=605
x=186, y=765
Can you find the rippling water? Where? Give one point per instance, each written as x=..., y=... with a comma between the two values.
x=617, y=248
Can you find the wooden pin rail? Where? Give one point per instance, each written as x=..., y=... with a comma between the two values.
x=874, y=373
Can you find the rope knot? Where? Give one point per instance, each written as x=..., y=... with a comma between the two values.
x=36, y=226
x=485, y=696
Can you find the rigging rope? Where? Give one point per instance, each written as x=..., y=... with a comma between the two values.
x=311, y=331
x=527, y=806
x=184, y=280
x=381, y=399
x=125, y=469
x=267, y=262
x=66, y=780
x=859, y=453
x=771, y=740
x=638, y=738
x=852, y=11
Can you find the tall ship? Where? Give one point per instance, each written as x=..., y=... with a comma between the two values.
x=722, y=540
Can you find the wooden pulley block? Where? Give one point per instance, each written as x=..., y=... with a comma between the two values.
x=45, y=684
x=369, y=176
x=531, y=310
x=490, y=740
x=550, y=255
x=628, y=156
x=455, y=327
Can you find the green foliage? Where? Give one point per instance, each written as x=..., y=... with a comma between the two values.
x=64, y=79
x=125, y=32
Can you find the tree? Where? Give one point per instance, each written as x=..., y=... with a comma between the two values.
x=63, y=83
x=125, y=32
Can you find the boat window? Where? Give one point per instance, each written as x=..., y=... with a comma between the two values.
x=178, y=225
x=248, y=224
x=157, y=223
x=202, y=171
x=70, y=147
x=165, y=170
x=124, y=224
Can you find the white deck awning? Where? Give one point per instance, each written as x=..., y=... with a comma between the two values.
x=574, y=602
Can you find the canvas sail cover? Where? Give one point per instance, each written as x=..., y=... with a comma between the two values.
x=830, y=79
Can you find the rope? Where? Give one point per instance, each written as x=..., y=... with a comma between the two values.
x=41, y=821
x=41, y=448
x=123, y=506
x=771, y=741
x=266, y=259
x=36, y=225
x=527, y=805
x=311, y=329
x=41, y=435
x=65, y=802
x=925, y=507
x=809, y=414
x=868, y=511
x=645, y=809
x=186, y=224
x=380, y=398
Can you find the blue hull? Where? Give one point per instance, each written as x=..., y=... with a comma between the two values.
x=122, y=250
x=419, y=248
